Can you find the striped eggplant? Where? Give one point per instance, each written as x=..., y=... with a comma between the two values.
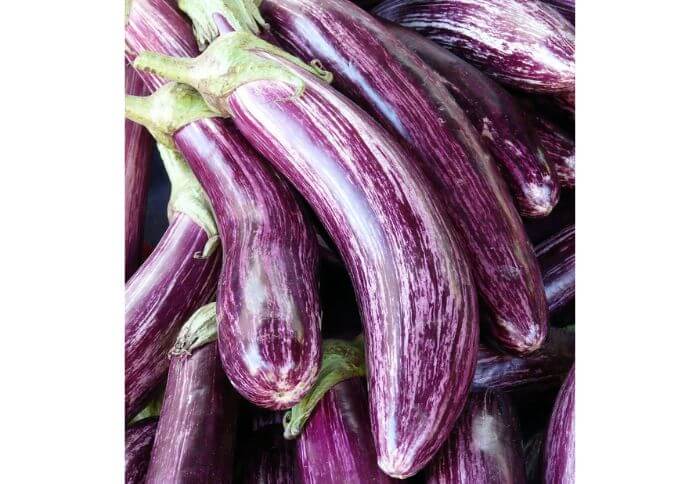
x=559, y=148
x=331, y=424
x=376, y=69
x=557, y=256
x=558, y=455
x=544, y=369
x=410, y=275
x=522, y=43
x=504, y=128
x=485, y=446
x=194, y=442
x=567, y=8
x=138, y=150
x=178, y=277
x=138, y=443
x=268, y=458
x=268, y=297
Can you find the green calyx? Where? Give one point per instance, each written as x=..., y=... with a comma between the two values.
x=241, y=15
x=187, y=197
x=167, y=110
x=230, y=61
x=342, y=360
x=151, y=409
x=199, y=330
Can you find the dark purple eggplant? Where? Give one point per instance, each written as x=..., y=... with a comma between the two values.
x=559, y=149
x=503, y=127
x=268, y=458
x=523, y=43
x=485, y=446
x=557, y=257
x=409, y=272
x=533, y=458
x=268, y=302
x=376, y=69
x=558, y=456
x=567, y=8
x=194, y=441
x=138, y=444
x=138, y=149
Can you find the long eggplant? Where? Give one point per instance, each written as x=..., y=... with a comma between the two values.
x=268, y=457
x=557, y=256
x=138, y=149
x=485, y=446
x=138, y=444
x=411, y=277
x=376, y=69
x=544, y=369
x=522, y=43
x=558, y=457
x=497, y=115
x=194, y=441
x=268, y=297
x=559, y=148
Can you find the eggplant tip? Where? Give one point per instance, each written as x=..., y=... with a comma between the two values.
x=541, y=200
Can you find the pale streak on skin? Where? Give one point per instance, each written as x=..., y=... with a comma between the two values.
x=560, y=149
x=520, y=42
x=559, y=449
x=408, y=271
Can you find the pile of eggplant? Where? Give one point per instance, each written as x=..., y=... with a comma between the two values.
x=368, y=269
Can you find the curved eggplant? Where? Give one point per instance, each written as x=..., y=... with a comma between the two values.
x=485, y=446
x=194, y=441
x=138, y=150
x=557, y=256
x=522, y=43
x=558, y=456
x=268, y=297
x=138, y=444
x=503, y=126
x=412, y=279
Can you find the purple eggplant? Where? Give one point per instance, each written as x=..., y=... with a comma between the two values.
x=484, y=447
x=268, y=458
x=522, y=43
x=138, y=150
x=268, y=296
x=533, y=458
x=411, y=277
x=194, y=441
x=558, y=456
x=376, y=69
x=559, y=148
x=138, y=444
x=503, y=126
x=567, y=8
x=557, y=256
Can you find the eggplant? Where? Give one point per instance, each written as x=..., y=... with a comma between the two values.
x=331, y=424
x=138, y=443
x=521, y=43
x=138, y=149
x=546, y=368
x=269, y=458
x=374, y=68
x=409, y=272
x=559, y=147
x=485, y=446
x=176, y=279
x=557, y=256
x=194, y=442
x=497, y=116
x=533, y=458
x=567, y=8
x=558, y=455
x=268, y=297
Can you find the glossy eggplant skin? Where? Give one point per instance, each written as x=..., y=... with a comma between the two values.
x=522, y=43
x=559, y=454
x=138, y=149
x=485, y=446
x=268, y=305
x=544, y=369
x=497, y=115
x=557, y=256
x=194, y=441
x=336, y=445
x=409, y=273
x=138, y=445
x=559, y=148
x=269, y=458
x=567, y=8
x=373, y=67
x=160, y=296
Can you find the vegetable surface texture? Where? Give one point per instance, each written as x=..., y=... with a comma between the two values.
x=138, y=444
x=559, y=448
x=557, y=256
